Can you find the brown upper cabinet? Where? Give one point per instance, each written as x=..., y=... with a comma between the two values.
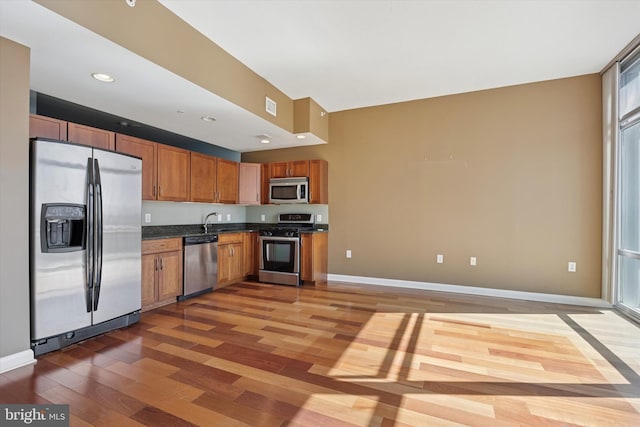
x=227, y=180
x=287, y=169
x=46, y=127
x=147, y=151
x=250, y=184
x=173, y=173
x=203, y=178
x=86, y=135
x=265, y=168
x=213, y=180
x=318, y=182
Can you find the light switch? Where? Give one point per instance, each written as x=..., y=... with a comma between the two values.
x=319, y=218
x=263, y=217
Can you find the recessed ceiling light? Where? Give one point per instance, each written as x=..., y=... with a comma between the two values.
x=301, y=136
x=103, y=77
x=264, y=138
x=208, y=118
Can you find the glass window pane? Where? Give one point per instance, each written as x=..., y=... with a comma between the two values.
x=630, y=189
x=630, y=88
x=629, y=277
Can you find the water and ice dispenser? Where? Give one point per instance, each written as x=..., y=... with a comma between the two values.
x=62, y=227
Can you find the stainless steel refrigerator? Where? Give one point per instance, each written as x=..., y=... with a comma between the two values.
x=85, y=260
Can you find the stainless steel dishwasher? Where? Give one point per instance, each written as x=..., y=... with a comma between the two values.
x=200, y=265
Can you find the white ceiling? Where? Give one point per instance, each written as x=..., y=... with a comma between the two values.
x=344, y=54
x=354, y=53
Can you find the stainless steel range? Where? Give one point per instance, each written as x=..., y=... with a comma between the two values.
x=280, y=249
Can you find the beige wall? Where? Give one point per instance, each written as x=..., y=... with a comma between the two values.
x=511, y=176
x=14, y=198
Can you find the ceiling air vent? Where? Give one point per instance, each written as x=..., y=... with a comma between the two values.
x=270, y=106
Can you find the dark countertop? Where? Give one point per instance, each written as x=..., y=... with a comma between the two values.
x=150, y=232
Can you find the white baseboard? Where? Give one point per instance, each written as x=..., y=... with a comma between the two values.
x=16, y=360
x=472, y=290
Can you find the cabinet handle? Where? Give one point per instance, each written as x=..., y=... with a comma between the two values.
x=156, y=263
x=161, y=263
x=155, y=190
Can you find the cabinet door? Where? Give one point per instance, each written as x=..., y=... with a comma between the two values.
x=279, y=170
x=318, y=182
x=227, y=181
x=306, y=256
x=146, y=150
x=237, y=261
x=299, y=168
x=203, y=178
x=250, y=242
x=224, y=264
x=46, y=127
x=149, y=294
x=313, y=257
x=169, y=274
x=173, y=173
x=264, y=189
x=93, y=137
x=250, y=184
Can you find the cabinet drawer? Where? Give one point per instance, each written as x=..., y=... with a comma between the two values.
x=229, y=238
x=161, y=245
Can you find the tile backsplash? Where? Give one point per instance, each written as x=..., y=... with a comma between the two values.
x=172, y=213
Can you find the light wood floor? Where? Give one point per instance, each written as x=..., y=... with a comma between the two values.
x=340, y=355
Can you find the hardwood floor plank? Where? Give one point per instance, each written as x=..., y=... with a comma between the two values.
x=255, y=354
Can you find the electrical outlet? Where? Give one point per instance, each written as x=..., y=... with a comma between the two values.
x=219, y=217
x=571, y=266
x=473, y=261
x=348, y=253
x=228, y=217
x=147, y=218
x=263, y=217
x=440, y=258
x=318, y=218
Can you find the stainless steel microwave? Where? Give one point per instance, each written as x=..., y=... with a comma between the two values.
x=289, y=190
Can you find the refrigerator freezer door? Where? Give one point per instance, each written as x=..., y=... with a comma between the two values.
x=58, y=279
x=120, y=187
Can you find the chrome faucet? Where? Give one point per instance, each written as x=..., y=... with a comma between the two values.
x=206, y=220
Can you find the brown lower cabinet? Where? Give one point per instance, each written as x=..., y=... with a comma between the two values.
x=161, y=272
x=251, y=253
x=230, y=258
x=313, y=254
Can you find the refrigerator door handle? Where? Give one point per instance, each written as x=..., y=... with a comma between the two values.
x=89, y=236
x=98, y=236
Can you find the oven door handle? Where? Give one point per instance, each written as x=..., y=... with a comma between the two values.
x=278, y=239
